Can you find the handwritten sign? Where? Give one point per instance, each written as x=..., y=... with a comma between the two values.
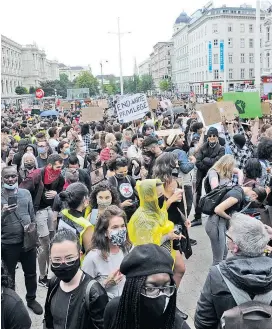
x=131, y=108
x=227, y=109
x=210, y=113
x=92, y=114
x=167, y=132
x=152, y=103
x=266, y=108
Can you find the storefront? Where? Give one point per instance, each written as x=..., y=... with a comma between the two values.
x=217, y=89
x=267, y=85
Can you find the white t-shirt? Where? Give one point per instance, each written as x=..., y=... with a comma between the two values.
x=53, y=143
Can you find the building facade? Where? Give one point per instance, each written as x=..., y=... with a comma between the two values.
x=144, y=67
x=24, y=66
x=215, y=43
x=161, y=63
x=267, y=52
x=73, y=71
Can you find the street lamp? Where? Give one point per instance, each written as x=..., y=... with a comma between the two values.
x=101, y=70
x=120, y=56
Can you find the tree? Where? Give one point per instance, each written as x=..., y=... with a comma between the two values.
x=21, y=90
x=111, y=88
x=63, y=78
x=164, y=85
x=87, y=80
x=32, y=90
x=146, y=83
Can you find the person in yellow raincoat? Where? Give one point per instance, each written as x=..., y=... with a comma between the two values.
x=150, y=224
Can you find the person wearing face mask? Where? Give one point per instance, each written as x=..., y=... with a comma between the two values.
x=235, y=200
x=42, y=148
x=247, y=271
x=102, y=196
x=74, y=299
x=29, y=164
x=109, y=245
x=64, y=151
x=149, y=296
x=81, y=154
x=124, y=184
x=151, y=150
x=13, y=219
x=84, y=178
x=76, y=197
x=207, y=155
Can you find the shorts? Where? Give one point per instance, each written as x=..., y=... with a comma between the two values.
x=44, y=220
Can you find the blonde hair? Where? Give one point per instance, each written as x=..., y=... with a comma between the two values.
x=224, y=166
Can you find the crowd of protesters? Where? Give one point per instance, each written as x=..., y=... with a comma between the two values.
x=103, y=208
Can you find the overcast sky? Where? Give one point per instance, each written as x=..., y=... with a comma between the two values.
x=76, y=32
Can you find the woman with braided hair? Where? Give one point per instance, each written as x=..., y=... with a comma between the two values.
x=148, y=300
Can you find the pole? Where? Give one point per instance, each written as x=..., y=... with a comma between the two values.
x=102, y=81
x=257, y=59
x=120, y=57
x=225, y=55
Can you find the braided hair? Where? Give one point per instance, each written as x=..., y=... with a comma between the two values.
x=128, y=314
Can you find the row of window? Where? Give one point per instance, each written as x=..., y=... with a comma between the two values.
x=250, y=29
x=13, y=64
x=231, y=76
x=10, y=52
x=242, y=43
x=8, y=87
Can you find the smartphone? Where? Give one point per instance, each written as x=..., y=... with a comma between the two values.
x=12, y=200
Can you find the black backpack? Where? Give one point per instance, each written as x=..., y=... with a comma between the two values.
x=212, y=199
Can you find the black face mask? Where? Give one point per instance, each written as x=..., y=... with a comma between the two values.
x=161, y=201
x=29, y=166
x=65, y=272
x=98, y=164
x=152, y=310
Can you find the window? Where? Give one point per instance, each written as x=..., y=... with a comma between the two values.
x=268, y=33
x=250, y=28
x=215, y=42
x=251, y=73
x=230, y=73
x=242, y=43
x=230, y=58
x=242, y=73
x=261, y=43
x=242, y=58
x=216, y=74
x=215, y=28
x=268, y=60
x=242, y=28
x=230, y=42
x=251, y=58
x=261, y=58
x=215, y=58
x=230, y=27
x=251, y=42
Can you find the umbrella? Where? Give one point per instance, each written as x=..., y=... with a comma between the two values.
x=175, y=110
x=49, y=113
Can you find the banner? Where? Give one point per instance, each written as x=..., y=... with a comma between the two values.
x=210, y=56
x=221, y=55
x=91, y=114
x=248, y=105
x=131, y=108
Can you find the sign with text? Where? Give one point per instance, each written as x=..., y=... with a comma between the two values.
x=167, y=132
x=91, y=114
x=210, y=56
x=248, y=105
x=131, y=108
x=221, y=55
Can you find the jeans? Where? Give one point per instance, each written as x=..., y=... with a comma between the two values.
x=216, y=228
x=11, y=254
x=198, y=192
x=189, y=199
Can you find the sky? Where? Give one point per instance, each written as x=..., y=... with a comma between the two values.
x=76, y=32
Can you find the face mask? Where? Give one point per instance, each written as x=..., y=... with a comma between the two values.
x=212, y=144
x=29, y=166
x=160, y=142
x=161, y=201
x=118, y=237
x=98, y=164
x=247, y=198
x=67, y=152
x=120, y=176
x=103, y=204
x=154, y=307
x=10, y=187
x=41, y=150
x=65, y=272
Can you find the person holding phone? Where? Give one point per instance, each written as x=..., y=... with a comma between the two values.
x=16, y=212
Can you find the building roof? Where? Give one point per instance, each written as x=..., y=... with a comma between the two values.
x=183, y=18
x=75, y=68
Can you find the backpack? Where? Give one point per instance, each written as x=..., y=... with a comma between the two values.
x=248, y=314
x=207, y=186
x=212, y=199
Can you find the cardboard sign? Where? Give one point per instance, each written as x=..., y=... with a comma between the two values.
x=167, y=132
x=92, y=114
x=131, y=108
x=248, y=104
x=103, y=103
x=228, y=110
x=65, y=105
x=210, y=113
x=152, y=103
x=266, y=107
x=177, y=103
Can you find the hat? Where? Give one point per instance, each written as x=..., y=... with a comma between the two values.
x=212, y=131
x=145, y=260
x=171, y=139
x=239, y=140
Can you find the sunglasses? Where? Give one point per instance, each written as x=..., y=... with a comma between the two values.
x=212, y=136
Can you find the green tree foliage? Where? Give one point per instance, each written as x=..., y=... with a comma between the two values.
x=60, y=85
x=132, y=85
x=32, y=90
x=112, y=88
x=87, y=80
x=146, y=83
x=21, y=90
x=164, y=85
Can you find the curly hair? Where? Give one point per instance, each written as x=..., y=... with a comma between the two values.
x=163, y=167
x=265, y=149
x=253, y=169
x=6, y=280
x=101, y=187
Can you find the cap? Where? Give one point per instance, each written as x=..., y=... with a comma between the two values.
x=212, y=131
x=145, y=260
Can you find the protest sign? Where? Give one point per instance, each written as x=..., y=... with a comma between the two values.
x=152, y=103
x=228, y=110
x=131, y=108
x=248, y=104
x=210, y=113
x=266, y=108
x=167, y=132
x=91, y=114
x=65, y=105
x=103, y=103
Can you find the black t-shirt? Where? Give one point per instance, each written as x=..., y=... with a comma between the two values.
x=125, y=187
x=14, y=313
x=46, y=202
x=41, y=162
x=237, y=193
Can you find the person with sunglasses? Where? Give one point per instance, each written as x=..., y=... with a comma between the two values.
x=149, y=296
x=74, y=299
x=124, y=184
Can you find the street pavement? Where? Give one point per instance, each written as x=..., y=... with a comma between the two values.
x=197, y=268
